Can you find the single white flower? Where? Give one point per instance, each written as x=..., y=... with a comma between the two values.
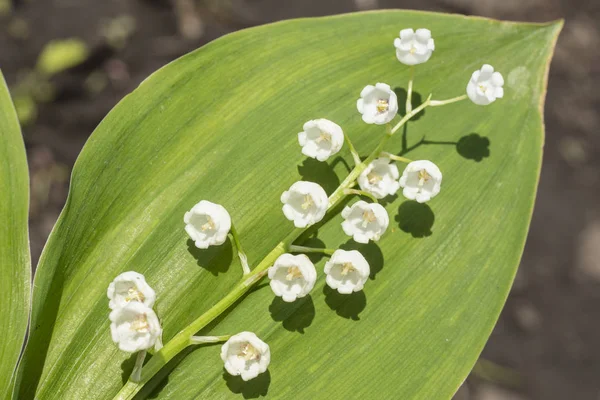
x=378, y=104
x=414, y=47
x=207, y=224
x=321, y=139
x=292, y=276
x=305, y=203
x=134, y=327
x=365, y=221
x=129, y=286
x=246, y=355
x=380, y=178
x=347, y=271
x=485, y=86
x=421, y=181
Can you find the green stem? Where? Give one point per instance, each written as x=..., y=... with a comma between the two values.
x=209, y=339
x=410, y=115
x=409, y=90
x=435, y=103
x=183, y=339
x=353, y=151
x=137, y=368
x=303, y=249
x=395, y=157
x=361, y=193
x=241, y=253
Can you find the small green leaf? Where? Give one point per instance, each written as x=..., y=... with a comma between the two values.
x=59, y=55
x=221, y=124
x=15, y=264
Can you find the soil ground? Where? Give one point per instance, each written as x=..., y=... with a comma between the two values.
x=549, y=331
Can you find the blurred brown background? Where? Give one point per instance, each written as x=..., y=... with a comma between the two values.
x=546, y=345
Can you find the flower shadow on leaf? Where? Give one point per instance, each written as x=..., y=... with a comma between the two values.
x=295, y=316
x=416, y=100
x=415, y=218
x=371, y=252
x=345, y=305
x=127, y=367
x=251, y=389
x=215, y=259
x=473, y=147
x=320, y=172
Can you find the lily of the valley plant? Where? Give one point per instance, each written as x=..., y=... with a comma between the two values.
x=135, y=327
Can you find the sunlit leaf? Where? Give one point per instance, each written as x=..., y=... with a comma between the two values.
x=221, y=124
x=15, y=264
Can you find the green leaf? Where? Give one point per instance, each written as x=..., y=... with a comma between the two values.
x=221, y=124
x=15, y=264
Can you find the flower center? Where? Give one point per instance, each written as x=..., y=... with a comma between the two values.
x=249, y=352
x=134, y=294
x=483, y=88
x=423, y=177
x=208, y=225
x=382, y=105
x=325, y=137
x=293, y=273
x=413, y=49
x=140, y=324
x=308, y=201
x=347, y=268
x=368, y=216
x=374, y=178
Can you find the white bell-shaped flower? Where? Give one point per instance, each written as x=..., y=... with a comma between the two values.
x=380, y=178
x=305, y=203
x=292, y=276
x=127, y=287
x=414, y=47
x=378, y=104
x=245, y=355
x=134, y=327
x=321, y=139
x=485, y=86
x=365, y=221
x=421, y=181
x=207, y=224
x=347, y=271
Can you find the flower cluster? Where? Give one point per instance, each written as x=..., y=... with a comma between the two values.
x=134, y=324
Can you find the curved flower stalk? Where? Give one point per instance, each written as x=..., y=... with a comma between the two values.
x=304, y=204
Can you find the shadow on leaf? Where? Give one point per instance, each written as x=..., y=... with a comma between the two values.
x=296, y=316
x=473, y=147
x=251, y=389
x=319, y=172
x=127, y=367
x=215, y=259
x=415, y=218
x=345, y=305
x=416, y=100
x=370, y=251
